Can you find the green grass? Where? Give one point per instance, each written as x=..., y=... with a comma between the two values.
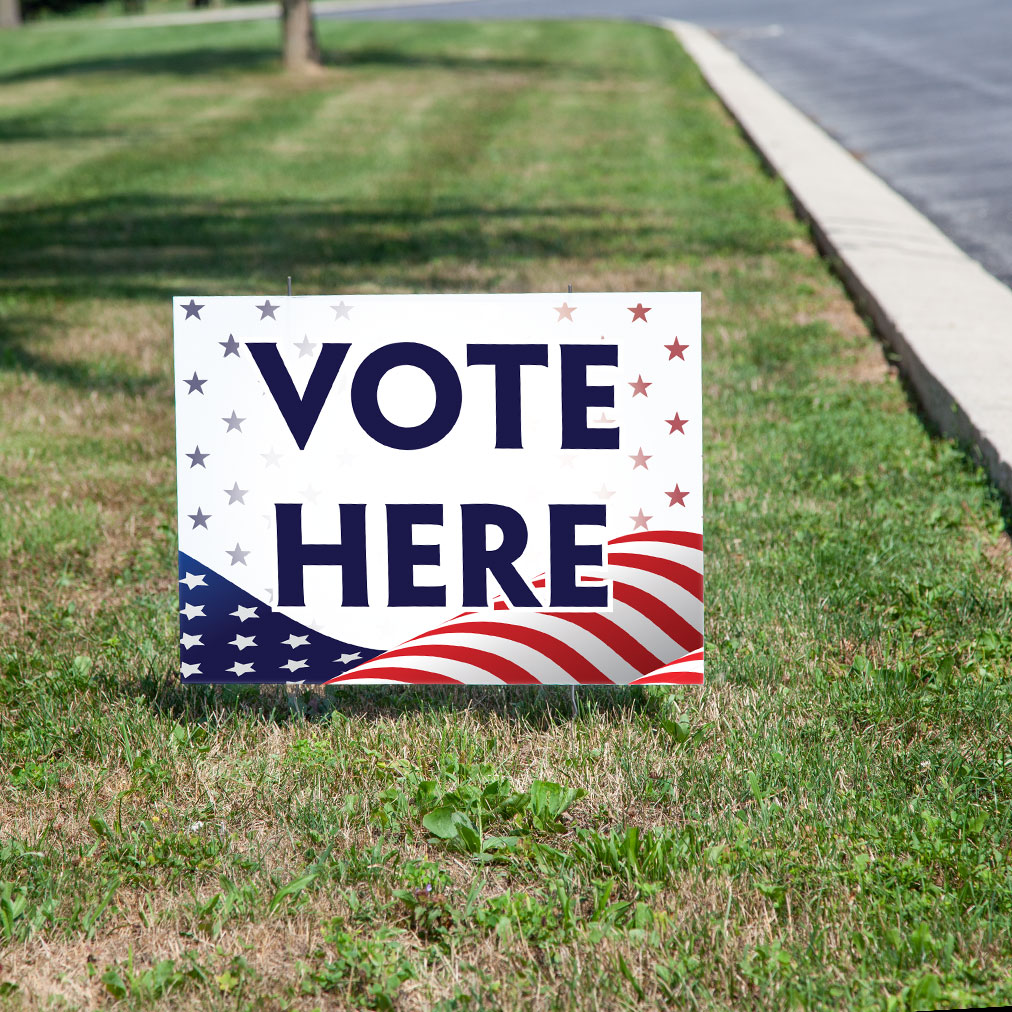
x=826, y=825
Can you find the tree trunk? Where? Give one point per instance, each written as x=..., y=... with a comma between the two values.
x=302, y=51
x=10, y=13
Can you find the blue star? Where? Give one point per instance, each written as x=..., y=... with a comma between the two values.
x=195, y=384
x=267, y=310
x=235, y=494
x=237, y=554
x=231, y=346
x=235, y=422
x=192, y=310
x=199, y=518
x=198, y=458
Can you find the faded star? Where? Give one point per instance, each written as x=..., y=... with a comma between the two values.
x=676, y=350
x=294, y=665
x=341, y=311
x=189, y=669
x=641, y=520
x=294, y=641
x=192, y=611
x=195, y=384
x=198, y=458
x=639, y=312
x=565, y=312
x=242, y=613
x=236, y=494
x=199, y=519
x=193, y=580
x=640, y=386
x=267, y=310
x=677, y=497
x=604, y=419
x=309, y=494
x=272, y=458
x=231, y=347
x=237, y=555
x=241, y=669
x=640, y=459
x=604, y=492
x=188, y=640
x=191, y=310
x=677, y=424
x=242, y=642
x=305, y=347
x=234, y=422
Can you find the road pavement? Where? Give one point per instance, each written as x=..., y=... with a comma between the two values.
x=919, y=90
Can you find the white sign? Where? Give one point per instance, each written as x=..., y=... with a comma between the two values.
x=434, y=488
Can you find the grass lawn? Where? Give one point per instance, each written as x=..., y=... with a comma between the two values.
x=826, y=825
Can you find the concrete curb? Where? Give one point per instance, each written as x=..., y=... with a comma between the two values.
x=949, y=321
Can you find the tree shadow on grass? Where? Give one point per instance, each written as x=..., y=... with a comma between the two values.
x=148, y=245
x=211, y=59
x=21, y=351
x=152, y=246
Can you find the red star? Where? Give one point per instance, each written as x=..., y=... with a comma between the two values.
x=640, y=386
x=677, y=424
x=640, y=459
x=565, y=312
x=677, y=497
x=676, y=349
x=640, y=520
x=639, y=312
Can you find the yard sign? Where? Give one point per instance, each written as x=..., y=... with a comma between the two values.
x=453, y=489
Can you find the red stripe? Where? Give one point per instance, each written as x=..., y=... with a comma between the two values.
x=568, y=659
x=683, y=538
x=503, y=669
x=609, y=632
x=396, y=675
x=682, y=678
x=686, y=578
x=696, y=655
x=660, y=614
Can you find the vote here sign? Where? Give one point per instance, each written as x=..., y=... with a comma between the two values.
x=486, y=489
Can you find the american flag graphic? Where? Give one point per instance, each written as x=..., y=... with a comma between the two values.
x=239, y=456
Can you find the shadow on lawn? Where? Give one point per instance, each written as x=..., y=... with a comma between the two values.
x=147, y=246
x=539, y=706
x=216, y=60
x=22, y=351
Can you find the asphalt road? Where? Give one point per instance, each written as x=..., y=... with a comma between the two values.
x=921, y=90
